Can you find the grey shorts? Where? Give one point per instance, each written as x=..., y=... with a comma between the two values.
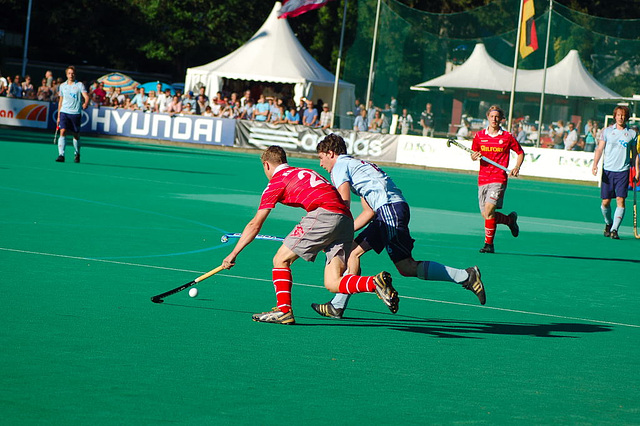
x=492, y=193
x=322, y=230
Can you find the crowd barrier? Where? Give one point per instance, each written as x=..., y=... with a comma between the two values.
x=401, y=149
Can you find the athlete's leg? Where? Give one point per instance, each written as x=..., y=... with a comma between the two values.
x=341, y=300
x=282, y=278
x=619, y=213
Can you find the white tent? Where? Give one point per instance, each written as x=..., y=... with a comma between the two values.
x=567, y=78
x=274, y=54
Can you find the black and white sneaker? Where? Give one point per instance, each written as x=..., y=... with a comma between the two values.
x=60, y=159
x=386, y=292
x=76, y=159
x=607, y=231
x=488, y=248
x=614, y=234
x=275, y=316
x=327, y=310
x=474, y=283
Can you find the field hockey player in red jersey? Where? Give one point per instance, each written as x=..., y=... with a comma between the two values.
x=495, y=144
x=327, y=226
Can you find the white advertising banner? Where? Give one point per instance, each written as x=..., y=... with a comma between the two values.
x=24, y=113
x=539, y=162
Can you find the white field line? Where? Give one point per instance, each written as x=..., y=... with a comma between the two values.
x=540, y=314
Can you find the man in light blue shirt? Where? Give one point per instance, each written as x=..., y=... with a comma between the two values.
x=618, y=143
x=386, y=214
x=73, y=99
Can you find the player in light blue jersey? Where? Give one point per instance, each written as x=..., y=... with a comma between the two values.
x=73, y=99
x=387, y=214
x=618, y=143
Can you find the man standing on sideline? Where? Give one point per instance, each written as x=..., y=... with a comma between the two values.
x=618, y=142
x=426, y=121
x=387, y=213
x=327, y=226
x=495, y=143
x=73, y=99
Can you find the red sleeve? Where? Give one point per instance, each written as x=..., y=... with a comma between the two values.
x=272, y=194
x=475, y=145
x=515, y=146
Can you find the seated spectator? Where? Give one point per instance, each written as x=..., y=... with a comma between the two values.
x=325, y=117
x=207, y=111
x=276, y=115
x=201, y=104
x=56, y=89
x=117, y=98
x=236, y=109
x=310, y=115
x=261, y=110
x=151, y=104
x=463, y=131
x=521, y=135
x=175, y=107
x=282, y=113
x=4, y=85
x=571, y=138
x=590, y=139
x=360, y=123
x=558, y=135
x=186, y=109
x=405, y=122
x=375, y=126
x=247, y=112
x=139, y=99
x=15, y=88
x=292, y=116
x=189, y=99
x=99, y=94
x=226, y=111
x=127, y=104
x=28, y=91
x=164, y=100
x=44, y=91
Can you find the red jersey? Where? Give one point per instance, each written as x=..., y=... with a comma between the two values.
x=296, y=187
x=495, y=148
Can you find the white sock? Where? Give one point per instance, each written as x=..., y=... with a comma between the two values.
x=617, y=218
x=340, y=300
x=62, y=142
x=76, y=146
x=434, y=271
x=606, y=212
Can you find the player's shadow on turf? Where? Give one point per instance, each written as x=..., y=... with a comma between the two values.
x=561, y=256
x=461, y=329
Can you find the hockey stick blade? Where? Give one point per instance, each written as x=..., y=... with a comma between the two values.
x=452, y=141
x=225, y=237
x=160, y=297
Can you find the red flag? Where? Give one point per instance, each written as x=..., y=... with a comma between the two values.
x=528, y=35
x=291, y=8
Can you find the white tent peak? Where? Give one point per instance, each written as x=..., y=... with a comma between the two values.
x=569, y=77
x=273, y=54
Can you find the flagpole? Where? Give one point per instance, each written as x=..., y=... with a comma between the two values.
x=373, y=54
x=515, y=66
x=544, y=75
x=334, y=101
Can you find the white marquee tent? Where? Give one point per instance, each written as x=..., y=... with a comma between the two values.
x=567, y=78
x=274, y=54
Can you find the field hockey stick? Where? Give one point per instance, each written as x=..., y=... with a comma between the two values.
x=55, y=136
x=159, y=298
x=470, y=151
x=635, y=208
x=226, y=237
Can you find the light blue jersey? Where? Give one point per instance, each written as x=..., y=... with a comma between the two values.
x=72, y=97
x=619, y=145
x=366, y=180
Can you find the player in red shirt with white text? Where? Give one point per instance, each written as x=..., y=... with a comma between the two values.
x=495, y=144
x=327, y=226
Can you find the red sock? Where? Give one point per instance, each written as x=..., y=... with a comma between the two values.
x=282, y=282
x=502, y=219
x=356, y=284
x=489, y=230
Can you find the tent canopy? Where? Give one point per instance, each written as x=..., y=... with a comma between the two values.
x=273, y=54
x=568, y=77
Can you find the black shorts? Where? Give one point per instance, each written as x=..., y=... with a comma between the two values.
x=70, y=122
x=389, y=230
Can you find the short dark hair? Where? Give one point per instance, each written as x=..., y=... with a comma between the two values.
x=332, y=142
x=274, y=155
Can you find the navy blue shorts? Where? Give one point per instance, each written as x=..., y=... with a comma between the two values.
x=614, y=184
x=70, y=122
x=389, y=229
